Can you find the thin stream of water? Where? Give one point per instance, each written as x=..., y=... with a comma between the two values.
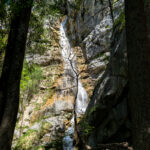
x=82, y=97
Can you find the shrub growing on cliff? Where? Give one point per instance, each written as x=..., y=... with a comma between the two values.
x=39, y=36
x=85, y=128
x=27, y=140
x=31, y=76
x=120, y=20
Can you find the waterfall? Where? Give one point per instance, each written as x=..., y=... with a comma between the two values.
x=69, y=71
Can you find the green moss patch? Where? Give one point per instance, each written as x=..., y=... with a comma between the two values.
x=120, y=20
x=27, y=140
x=31, y=139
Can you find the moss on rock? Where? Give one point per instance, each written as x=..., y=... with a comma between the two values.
x=26, y=142
x=120, y=20
x=31, y=139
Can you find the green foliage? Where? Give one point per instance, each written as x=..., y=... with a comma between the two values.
x=46, y=126
x=115, y=1
x=27, y=140
x=4, y=24
x=56, y=144
x=36, y=30
x=39, y=37
x=31, y=138
x=101, y=54
x=47, y=7
x=93, y=109
x=17, y=6
x=4, y=28
x=53, y=10
x=120, y=20
x=85, y=128
x=31, y=76
x=1, y=62
x=3, y=11
x=39, y=148
x=3, y=41
x=77, y=4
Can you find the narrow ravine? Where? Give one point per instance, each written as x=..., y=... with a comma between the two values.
x=69, y=71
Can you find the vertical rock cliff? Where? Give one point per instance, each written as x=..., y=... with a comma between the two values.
x=98, y=27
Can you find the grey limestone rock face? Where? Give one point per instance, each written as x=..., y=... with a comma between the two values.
x=103, y=40
x=107, y=111
x=90, y=25
x=60, y=106
x=43, y=60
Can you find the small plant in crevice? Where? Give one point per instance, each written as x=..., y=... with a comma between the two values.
x=120, y=21
x=26, y=141
x=85, y=128
x=57, y=143
x=93, y=109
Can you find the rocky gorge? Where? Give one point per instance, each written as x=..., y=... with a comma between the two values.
x=102, y=38
x=96, y=34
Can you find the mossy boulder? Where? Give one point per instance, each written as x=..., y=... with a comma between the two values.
x=31, y=139
x=27, y=140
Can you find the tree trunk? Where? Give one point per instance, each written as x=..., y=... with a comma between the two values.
x=11, y=73
x=138, y=49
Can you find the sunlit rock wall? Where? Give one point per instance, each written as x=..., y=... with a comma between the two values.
x=90, y=25
x=103, y=42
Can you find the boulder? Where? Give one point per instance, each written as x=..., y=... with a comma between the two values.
x=60, y=106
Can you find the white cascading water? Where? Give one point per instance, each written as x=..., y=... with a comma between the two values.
x=82, y=97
